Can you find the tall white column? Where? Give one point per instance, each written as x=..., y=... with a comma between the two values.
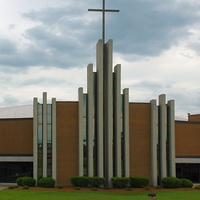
x=54, y=141
x=35, y=138
x=99, y=109
x=126, y=133
x=171, y=138
x=108, y=109
x=90, y=119
x=80, y=130
x=163, y=135
x=44, y=130
x=154, y=143
x=117, y=121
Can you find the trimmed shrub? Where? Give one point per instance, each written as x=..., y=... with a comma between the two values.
x=47, y=182
x=96, y=182
x=22, y=181
x=171, y=182
x=79, y=181
x=186, y=183
x=19, y=181
x=28, y=181
x=139, y=181
x=120, y=182
x=85, y=181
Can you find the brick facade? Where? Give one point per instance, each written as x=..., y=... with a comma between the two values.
x=187, y=138
x=140, y=142
x=16, y=136
x=67, y=141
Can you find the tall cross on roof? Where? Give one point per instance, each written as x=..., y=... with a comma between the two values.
x=103, y=10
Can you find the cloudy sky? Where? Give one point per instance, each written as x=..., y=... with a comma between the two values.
x=45, y=46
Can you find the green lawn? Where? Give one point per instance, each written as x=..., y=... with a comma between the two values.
x=78, y=195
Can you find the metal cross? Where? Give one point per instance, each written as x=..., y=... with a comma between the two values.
x=103, y=10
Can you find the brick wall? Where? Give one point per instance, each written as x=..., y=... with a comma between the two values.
x=187, y=138
x=140, y=142
x=67, y=141
x=194, y=118
x=16, y=136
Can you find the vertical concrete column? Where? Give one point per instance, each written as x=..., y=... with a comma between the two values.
x=171, y=138
x=90, y=119
x=54, y=142
x=154, y=142
x=44, y=130
x=35, y=138
x=117, y=121
x=108, y=109
x=126, y=133
x=162, y=136
x=80, y=131
x=99, y=109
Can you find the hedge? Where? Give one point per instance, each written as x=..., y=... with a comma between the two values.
x=79, y=181
x=186, y=183
x=171, y=182
x=28, y=181
x=85, y=181
x=47, y=182
x=139, y=181
x=120, y=182
x=96, y=182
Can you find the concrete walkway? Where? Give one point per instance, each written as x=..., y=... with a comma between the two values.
x=2, y=187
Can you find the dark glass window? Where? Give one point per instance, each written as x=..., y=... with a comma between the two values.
x=10, y=171
x=49, y=140
x=189, y=171
x=40, y=144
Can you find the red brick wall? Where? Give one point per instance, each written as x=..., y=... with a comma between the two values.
x=67, y=141
x=194, y=118
x=187, y=138
x=16, y=136
x=140, y=142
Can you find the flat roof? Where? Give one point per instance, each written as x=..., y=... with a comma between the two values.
x=23, y=111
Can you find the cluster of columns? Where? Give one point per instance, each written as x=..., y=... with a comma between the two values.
x=107, y=119
x=40, y=118
x=162, y=140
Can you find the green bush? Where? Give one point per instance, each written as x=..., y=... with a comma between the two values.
x=171, y=182
x=120, y=182
x=186, y=183
x=79, y=181
x=139, y=181
x=28, y=181
x=96, y=182
x=47, y=182
x=22, y=181
x=85, y=181
x=19, y=181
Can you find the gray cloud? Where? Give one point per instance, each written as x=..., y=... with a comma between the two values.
x=7, y=47
x=150, y=27
x=8, y=100
x=66, y=36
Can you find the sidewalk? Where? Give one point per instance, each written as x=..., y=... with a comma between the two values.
x=2, y=187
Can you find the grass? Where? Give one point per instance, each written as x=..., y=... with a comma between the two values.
x=78, y=195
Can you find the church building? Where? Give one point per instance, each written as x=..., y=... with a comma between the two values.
x=102, y=134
